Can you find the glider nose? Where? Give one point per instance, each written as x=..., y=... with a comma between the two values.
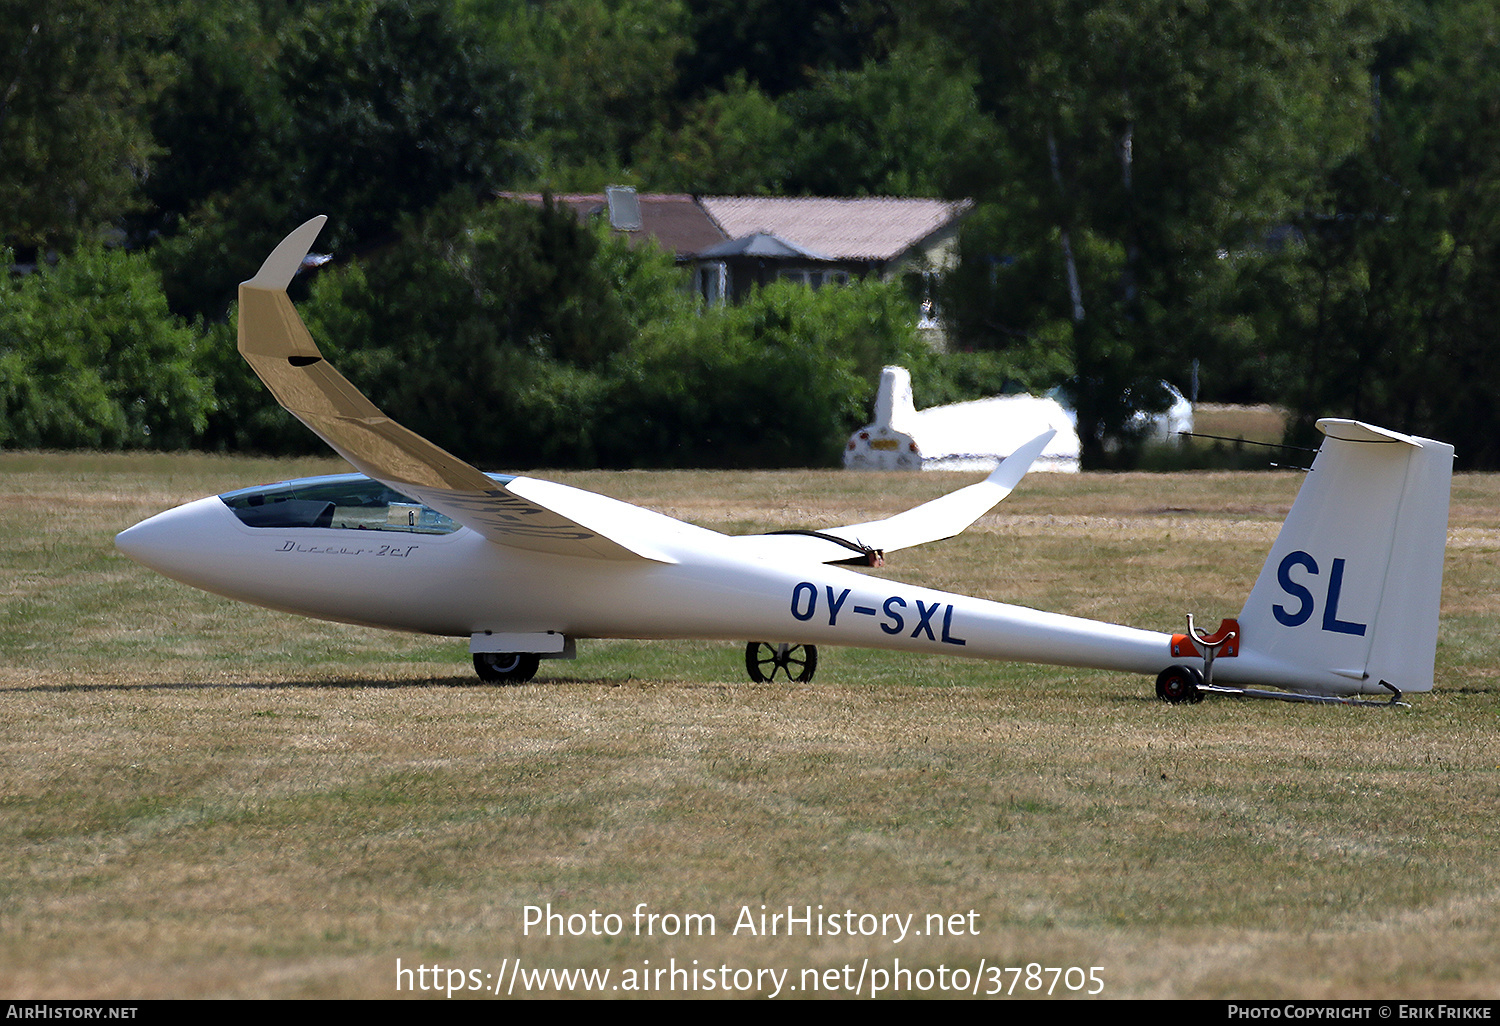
x=174, y=542
x=143, y=542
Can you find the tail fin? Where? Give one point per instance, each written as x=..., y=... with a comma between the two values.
x=1348, y=598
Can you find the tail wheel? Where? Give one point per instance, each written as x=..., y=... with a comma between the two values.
x=797, y=663
x=1177, y=684
x=505, y=667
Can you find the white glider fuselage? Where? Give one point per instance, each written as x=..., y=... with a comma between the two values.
x=461, y=584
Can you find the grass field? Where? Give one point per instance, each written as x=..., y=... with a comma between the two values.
x=201, y=799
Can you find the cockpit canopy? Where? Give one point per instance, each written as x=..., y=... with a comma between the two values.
x=348, y=502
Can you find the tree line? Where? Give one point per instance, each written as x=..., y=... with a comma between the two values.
x=1300, y=196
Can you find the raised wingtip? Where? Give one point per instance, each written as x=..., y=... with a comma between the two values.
x=279, y=268
x=1014, y=467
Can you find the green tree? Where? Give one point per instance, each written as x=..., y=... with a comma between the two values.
x=394, y=103
x=1397, y=257
x=602, y=75
x=1150, y=137
x=906, y=125
x=76, y=81
x=220, y=118
x=735, y=142
x=384, y=106
x=90, y=357
x=776, y=44
x=778, y=381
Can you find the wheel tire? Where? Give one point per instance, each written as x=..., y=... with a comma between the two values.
x=763, y=660
x=505, y=667
x=1178, y=684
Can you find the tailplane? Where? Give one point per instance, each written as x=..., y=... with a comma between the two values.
x=1348, y=599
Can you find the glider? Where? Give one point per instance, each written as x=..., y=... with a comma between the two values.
x=418, y=540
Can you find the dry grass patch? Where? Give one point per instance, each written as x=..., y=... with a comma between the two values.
x=1259, y=423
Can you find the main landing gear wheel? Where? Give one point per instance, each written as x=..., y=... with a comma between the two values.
x=505, y=667
x=1177, y=684
x=797, y=662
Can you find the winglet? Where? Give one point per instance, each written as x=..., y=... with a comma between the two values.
x=1010, y=470
x=281, y=266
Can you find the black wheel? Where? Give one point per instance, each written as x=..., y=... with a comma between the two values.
x=505, y=667
x=764, y=660
x=1177, y=684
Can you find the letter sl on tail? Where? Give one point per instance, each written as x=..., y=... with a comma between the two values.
x=1348, y=599
x=419, y=540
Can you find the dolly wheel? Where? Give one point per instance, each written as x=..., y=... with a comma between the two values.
x=1177, y=684
x=764, y=660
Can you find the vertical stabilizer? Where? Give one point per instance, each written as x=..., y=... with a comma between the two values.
x=894, y=408
x=1349, y=596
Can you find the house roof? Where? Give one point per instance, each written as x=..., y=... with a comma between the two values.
x=875, y=228
x=677, y=222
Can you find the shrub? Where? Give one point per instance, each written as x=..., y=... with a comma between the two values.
x=90, y=357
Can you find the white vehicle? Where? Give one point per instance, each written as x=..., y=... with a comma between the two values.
x=1346, y=605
